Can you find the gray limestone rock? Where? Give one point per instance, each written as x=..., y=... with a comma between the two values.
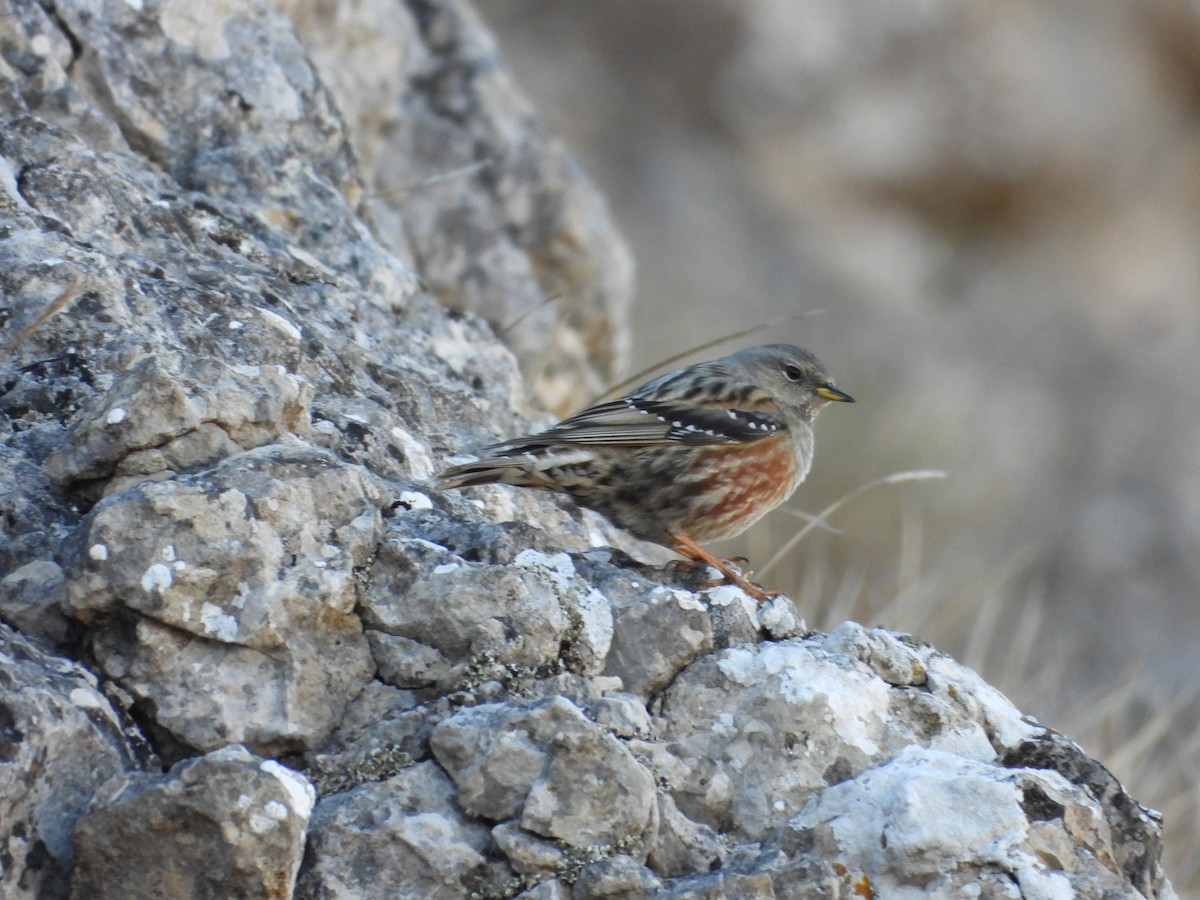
x=897, y=746
x=156, y=401
x=655, y=635
x=617, y=876
x=60, y=739
x=1135, y=832
x=549, y=767
x=682, y=847
x=798, y=716
x=509, y=614
x=30, y=598
x=464, y=182
x=405, y=663
x=554, y=889
x=241, y=575
x=531, y=855
x=894, y=658
x=625, y=715
x=227, y=824
x=404, y=836
x=959, y=827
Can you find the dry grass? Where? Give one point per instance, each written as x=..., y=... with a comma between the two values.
x=65, y=298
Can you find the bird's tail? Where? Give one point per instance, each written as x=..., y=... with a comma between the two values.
x=492, y=471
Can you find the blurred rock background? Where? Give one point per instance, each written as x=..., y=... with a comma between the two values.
x=992, y=211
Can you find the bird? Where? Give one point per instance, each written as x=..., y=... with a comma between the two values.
x=696, y=455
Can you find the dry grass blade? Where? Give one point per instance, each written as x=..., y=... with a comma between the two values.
x=988, y=601
x=810, y=518
x=1158, y=732
x=399, y=194
x=1092, y=714
x=636, y=379
x=542, y=304
x=896, y=478
x=55, y=306
x=849, y=590
x=1018, y=655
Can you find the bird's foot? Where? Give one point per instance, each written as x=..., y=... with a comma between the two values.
x=729, y=569
x=753, y=589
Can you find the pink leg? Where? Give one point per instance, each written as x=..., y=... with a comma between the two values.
x=689, y=548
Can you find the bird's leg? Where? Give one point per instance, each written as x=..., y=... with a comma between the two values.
x=685, y=546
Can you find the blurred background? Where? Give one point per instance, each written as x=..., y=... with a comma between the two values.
x=986, y=217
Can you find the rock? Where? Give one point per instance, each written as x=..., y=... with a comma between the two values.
x=764, y=875
x=960, y=827
x=793, y=718
x=657, y=632
x=382, y=731
x=885, y=654
x=464, y=181
x=529, y=613
x=507, y=614
x=551, y=769
x=618, y=876
x=589, y=639
x=682, y=846
x=227, y=824
x=36, y=516
x=242, y=574
x=157, y=402
x=738, y=618
x=922, y=726
x=401, y=837
x=655, y=635
x=623, y=714
x=1135, y=831
x=554, y=889
x=30, y=597
x=406, y=663
x=532, y=856
x=60, y=739
x=494, y=767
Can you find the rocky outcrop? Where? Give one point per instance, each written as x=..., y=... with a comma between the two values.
x=257, y=655
x=226, y=824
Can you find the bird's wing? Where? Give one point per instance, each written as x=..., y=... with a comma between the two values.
x=662, y=413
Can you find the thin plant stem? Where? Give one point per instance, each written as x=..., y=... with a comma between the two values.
x=895, y=478
x=638, y=378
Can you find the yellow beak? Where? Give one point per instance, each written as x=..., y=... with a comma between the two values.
x=829, y=392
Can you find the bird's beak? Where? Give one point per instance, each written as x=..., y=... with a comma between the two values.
x=829, y=392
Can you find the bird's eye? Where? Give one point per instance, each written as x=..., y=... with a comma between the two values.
x=792, y=372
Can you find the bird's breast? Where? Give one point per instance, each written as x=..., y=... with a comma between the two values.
x=737, y=485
